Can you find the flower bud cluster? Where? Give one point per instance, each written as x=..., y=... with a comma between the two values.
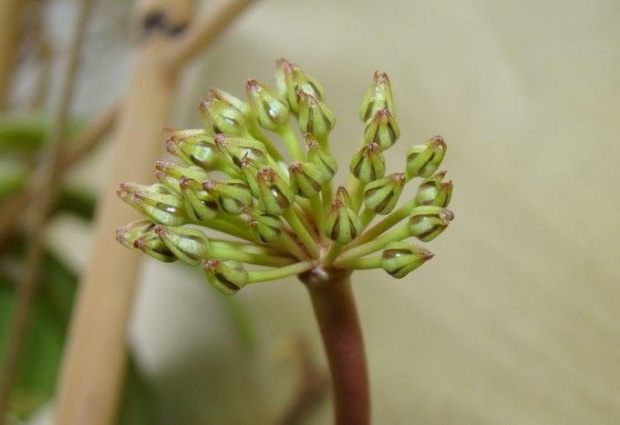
x=279, y=203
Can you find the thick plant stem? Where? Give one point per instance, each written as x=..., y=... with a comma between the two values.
x=334, y=307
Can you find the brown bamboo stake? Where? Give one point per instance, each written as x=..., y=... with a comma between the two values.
x=94, y=360
x=44, y=188
x=11, y=23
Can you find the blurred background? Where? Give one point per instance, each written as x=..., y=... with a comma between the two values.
x=517, y=318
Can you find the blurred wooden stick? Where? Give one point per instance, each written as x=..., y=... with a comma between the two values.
x=95, y=357
x=44, y=189
x=11, y=23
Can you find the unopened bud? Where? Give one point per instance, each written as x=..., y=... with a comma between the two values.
x=228, y=277
x=368, y=164
x=127, y=234
x=379, y=96
x=200, y=151
x=423, y=160
x=233, y=195
x=401, y=258
x=189, y=245
x=342, y=224
x=199, y=205
x=276, y=196
x=237, y=148
x=229, y=100
x=382, y=129
x=314, y=116
x=305, y=178
x=153, y=246
x=381, y=196
x=427, y=222
x=217, y=117
x=249, y=169
x=169, y=173
x=270, y=111
x=343, y=196
x=434, y=191
x=266, y=228
x=291, y=78
x=326, y=164
x=155, y=201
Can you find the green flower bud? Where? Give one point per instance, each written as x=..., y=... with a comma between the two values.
x=368, y=164
x=188, y=245
x=127, y=234
x=265, y=227
x=434, y=191
x=291, y=78
x=379, y=96
x=276, y=196
x=427, y=222
x=233, y=195
x=382, y=129
x=314, y=116
x=326, y=163
x=169, y=173
x=342, y=224
x=305, y=178
x=249, y=169
x=229, y=100
x=381, y=196
x=155, y=201
x=199, y=205
x=342, y=196
x=200, y=151
x=270, y=111
x=152, y=245
x=401, y=258
x=218, y=117
x=237, y=148
x=423, y=160
x=228, y=277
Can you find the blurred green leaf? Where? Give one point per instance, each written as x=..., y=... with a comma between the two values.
x=45, y=340
x=27, y=133
x=12, y=177
x=78, y=202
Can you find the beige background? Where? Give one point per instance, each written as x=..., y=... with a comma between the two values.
x=517, y=318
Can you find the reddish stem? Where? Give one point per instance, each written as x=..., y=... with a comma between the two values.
x=334, y=307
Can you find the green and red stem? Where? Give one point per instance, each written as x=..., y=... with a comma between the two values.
x=336, y=313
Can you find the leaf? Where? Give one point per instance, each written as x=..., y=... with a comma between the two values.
x=44, y=344
x=27, y=133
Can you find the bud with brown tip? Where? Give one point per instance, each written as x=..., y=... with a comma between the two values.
x=379, y=96
x=428, y=222
x=434, y=191
x=381, y=196
x=315, y=117
x=270, y=111
x=401, y=258
x=228, y=276
x=342, y=224
x=276, y=197
x=189, y=245
x=382, y=129
x=233, y=196
x=291, y=78
x=368, y=164
x=305, y=179
x=423, y=160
